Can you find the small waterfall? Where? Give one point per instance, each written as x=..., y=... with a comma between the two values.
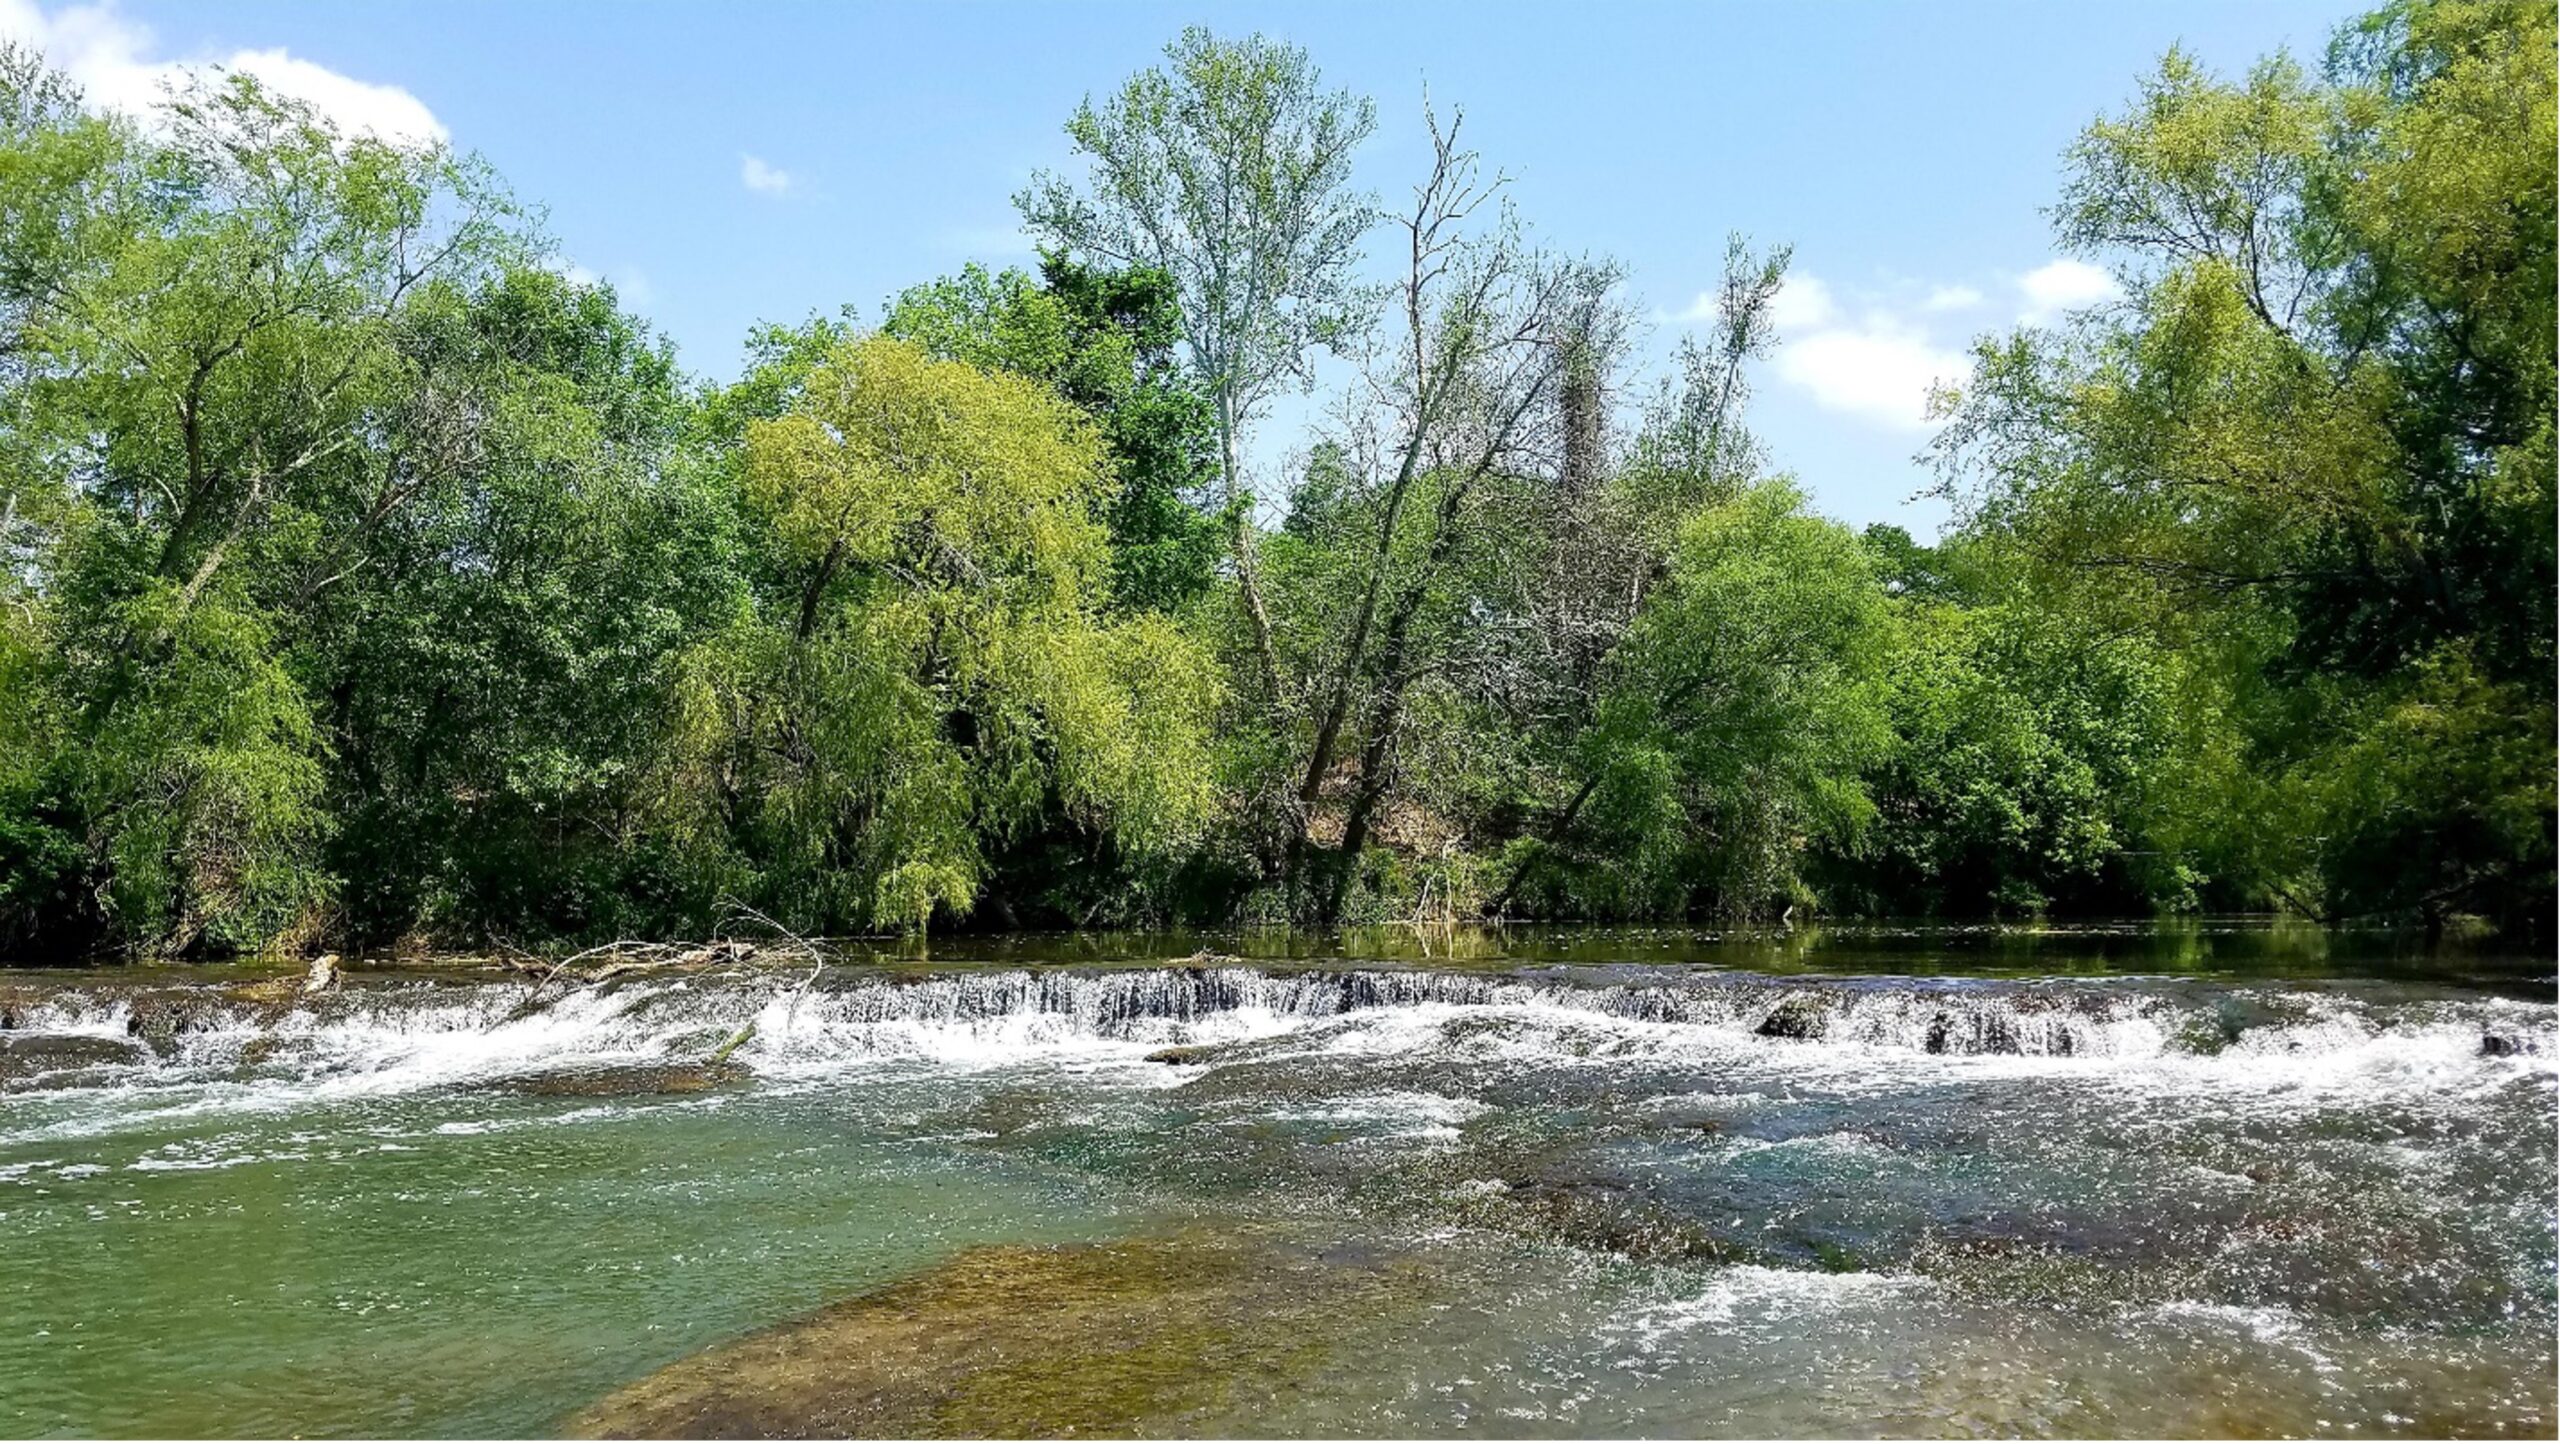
x=394, y=1034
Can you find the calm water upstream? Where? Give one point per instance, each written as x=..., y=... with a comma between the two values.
x=2217, y=1180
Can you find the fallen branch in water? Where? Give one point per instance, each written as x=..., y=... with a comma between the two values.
x=621, y=958
x=737, y=1040
x=809, y=950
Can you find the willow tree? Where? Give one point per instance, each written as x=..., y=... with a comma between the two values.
x=1106, y=340
x=1228, y=170
x=932, y=669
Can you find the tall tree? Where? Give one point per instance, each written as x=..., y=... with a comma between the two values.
x=1608, y=545
x=1229, y=170
x=1468, y=395
x=205, y=333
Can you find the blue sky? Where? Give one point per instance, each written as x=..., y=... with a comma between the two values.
x=725, y=165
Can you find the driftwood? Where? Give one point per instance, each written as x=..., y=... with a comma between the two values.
x=324, y=976
x=621, y=958
x=807, y=949
x=627, y=957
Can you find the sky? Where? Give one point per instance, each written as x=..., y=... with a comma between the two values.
x=731, y=164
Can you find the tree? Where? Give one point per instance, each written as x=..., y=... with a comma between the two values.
x=206, y=369
x=2034, y=752
x=492, y=672
x=1608, y=546
x=1228, y=170
x=930, y=669
x=2316, y=440
x=1105, y=340
x=1464, y=428
x=1739, y=720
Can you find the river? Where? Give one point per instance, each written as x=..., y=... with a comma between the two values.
x=2215, y=1179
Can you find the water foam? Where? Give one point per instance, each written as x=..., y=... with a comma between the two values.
x=209, y=1051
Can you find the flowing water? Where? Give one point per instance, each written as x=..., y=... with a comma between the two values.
x=2070, y=1183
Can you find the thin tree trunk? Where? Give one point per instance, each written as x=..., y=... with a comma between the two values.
x=816, y=591
x=1374, y=757
x=1386, y=715
x=1337, y=708
x=1248, y=570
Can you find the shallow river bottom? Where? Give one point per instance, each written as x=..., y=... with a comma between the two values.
x=1589, y=1200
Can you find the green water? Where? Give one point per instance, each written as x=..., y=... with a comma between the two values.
x=1607, y=1184
x=379, y=1270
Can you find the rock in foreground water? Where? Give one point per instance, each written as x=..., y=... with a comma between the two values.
x=633, y=1080
x=29, y=1056
x=1132, y=1337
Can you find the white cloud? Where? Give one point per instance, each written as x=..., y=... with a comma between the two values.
x=1877, y=368
x=1872, y=364
x=761, y=178
x=1803, y=302
x=1877, y=353
x=386, y=111
x=2061, y=286
x=111, y=58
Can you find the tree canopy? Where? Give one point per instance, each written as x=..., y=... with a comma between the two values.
x=366, y=580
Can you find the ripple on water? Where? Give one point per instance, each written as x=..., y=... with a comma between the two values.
x=1601, y=1202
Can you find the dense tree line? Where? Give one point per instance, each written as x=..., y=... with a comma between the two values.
x=366, y=580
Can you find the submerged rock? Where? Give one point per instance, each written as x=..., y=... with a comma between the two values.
x=1005, y=1112
x=634, y=1080
x=1017, y=1341
x=1183, y=1054
x=28, y=1055
x=1798, y=1017
x=1563, y=1194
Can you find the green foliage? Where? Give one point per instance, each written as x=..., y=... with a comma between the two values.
x=206, y=383
x=932, y=671
x=499, y=655
x=2426, y=795
x=2316, y=443
x=201, y=787
x=2031, y=752
x=1105, y=340
x=365, y=581
x=1740, y=719
x=1227, y=171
